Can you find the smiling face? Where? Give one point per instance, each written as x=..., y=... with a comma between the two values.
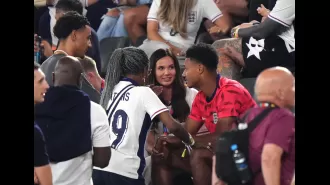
x=165, y=71
x=40, y=86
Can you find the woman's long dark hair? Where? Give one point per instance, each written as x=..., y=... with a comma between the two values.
x=180, y=106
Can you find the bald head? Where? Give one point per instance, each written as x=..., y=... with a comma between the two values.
x=276, y=85
x=68, y=71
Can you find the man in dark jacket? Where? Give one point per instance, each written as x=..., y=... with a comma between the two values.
x=76, y=130
x=74, y=34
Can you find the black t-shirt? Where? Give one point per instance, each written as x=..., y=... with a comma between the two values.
x=253, y=6
x=40, y=153
x=265, y=53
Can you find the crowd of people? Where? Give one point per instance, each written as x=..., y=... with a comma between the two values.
x=147, y=123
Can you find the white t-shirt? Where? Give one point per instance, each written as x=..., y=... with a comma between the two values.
x=190, y=96
x=284, y=13
x=79, y=170
x=130, y=118
x=203, y=9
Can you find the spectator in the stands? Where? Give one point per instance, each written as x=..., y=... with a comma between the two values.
x=42, y=170
x=174, y=24
x=50, y=41
x=168, y=84
x=227, y=66
x=237, y=12
x=76, y=129
x=112, y=24
x=135, y=21
x=268, y=44
x=272, y=143
x=74, y=35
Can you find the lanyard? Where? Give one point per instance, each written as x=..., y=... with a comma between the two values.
x=267, y=104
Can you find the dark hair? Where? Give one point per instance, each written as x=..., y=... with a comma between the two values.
x=204, y=54
x=180, y=106
x=36, y=66
x=69, y=22
x=123, y=61
x=70, y=5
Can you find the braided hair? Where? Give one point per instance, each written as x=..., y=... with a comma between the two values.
x=123, y=61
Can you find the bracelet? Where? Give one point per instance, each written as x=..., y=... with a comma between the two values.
x=236, y=33
x=232, y=32
x=192, y=141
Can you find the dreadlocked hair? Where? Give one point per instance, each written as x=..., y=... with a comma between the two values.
x=123, y=61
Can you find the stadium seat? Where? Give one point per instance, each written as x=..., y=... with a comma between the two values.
x=107, y=47
x=248, y=83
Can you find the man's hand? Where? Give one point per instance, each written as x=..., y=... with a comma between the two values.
x=234, y=30
x=160, y=151
x=233, y=54
x=170, y=141
x=214, y=30
x=263, y=11
x=245, y=25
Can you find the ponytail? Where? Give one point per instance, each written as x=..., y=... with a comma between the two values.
x=123, y=61
x=114, y=73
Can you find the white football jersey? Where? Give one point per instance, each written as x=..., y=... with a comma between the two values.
x=203, y=9
x=284, y=13
x=130, y=111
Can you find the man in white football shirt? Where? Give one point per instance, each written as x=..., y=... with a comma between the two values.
x=130, y=108
x=76, y=130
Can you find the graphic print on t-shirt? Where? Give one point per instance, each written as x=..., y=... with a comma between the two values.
x=192, y=16
x=255, y=46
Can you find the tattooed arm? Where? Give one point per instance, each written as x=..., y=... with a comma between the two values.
x=279, y=20
x=262, y=30
x=230, y=57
